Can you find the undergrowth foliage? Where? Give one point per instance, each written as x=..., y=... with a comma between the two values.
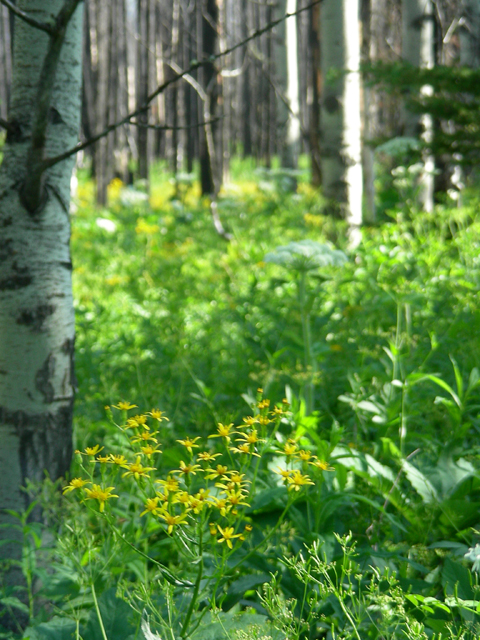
x=349, y=510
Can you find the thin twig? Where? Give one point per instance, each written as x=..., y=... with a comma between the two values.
x=43, y=26
x=160, y=127
x=50, y=162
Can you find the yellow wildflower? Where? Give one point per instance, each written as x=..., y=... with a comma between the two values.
x=219, y=472
x=151, y=506
x=172, y=521
x=245, y=449
x=170, y=485
x=237, y=478
x=297, y=480
x=189, y=443
x=322, y=465
x=285, y=473
x=290, y=448
x=187, y=469
x=263, y=404
x=251, y=437
x=224, y=431
x=278, y=411
x=137, y=470
x=92, y=451
x=304, y=455
x=208, y=457
x=118, y=459
x=236, y=498
x=124, y=406
x=100, y=494
x=103, y=458
x=157, y=415
x=227, y=535
x=145, y=436
x=250, y=420
x=222, y=505
x=182, y=497
x=150, y=450
x=75, y=483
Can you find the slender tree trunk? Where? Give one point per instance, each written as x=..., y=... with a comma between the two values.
x=36, y=305
x=370, y=14
x=315, y=83
x=207, y=38
x=470, y=35
x=340, y=110
x=418, y=49
x=287, y=86
x=142, y=87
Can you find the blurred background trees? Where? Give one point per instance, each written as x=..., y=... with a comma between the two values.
x=274, y=97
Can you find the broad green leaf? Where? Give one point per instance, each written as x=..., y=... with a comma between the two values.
x=420, y=483
x=115, y=615
x=306, y=255
x=55, y=629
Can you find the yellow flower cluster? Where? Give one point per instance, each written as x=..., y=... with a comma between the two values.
x=202, y=489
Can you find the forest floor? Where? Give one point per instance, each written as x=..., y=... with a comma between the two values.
x=376, y=452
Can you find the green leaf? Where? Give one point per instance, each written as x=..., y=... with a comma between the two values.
x=456, y=580
x=115, y=615
x=420, y=483
x=55, y=629
x=15, y=603
x=306, y=255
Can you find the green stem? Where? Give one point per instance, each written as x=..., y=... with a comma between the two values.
x=267, y=538
x=99, y=615
x=307, y=343
x=169, y=577
x=196, y=589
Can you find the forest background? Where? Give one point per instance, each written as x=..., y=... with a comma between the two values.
x=286, y=240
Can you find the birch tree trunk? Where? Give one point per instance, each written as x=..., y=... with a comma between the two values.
x=36, y=305
x=470, y=35
x=340, y=110
x=418, y=50
x=288, y=102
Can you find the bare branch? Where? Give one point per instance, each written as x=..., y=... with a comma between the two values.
x=196, y=64
x=33, y=189
x=161, y=127
x=43, y=26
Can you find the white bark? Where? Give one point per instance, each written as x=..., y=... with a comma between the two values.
x=36, y=305
x=288, y=100
x=470, y=35
x=418, y=50
x=340, y=109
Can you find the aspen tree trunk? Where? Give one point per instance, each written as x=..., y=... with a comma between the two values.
x=286, y=63
x=142, y=87
x=36, y=305
x=371, y=34
x=418, y=50
x=470, y=35
x=340, y=110
x=315, y=84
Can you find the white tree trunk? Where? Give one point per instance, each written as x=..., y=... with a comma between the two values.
x=470, y=35
x=288, y=100
x=340, y=109
x=36, y=305
x=418, y=49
